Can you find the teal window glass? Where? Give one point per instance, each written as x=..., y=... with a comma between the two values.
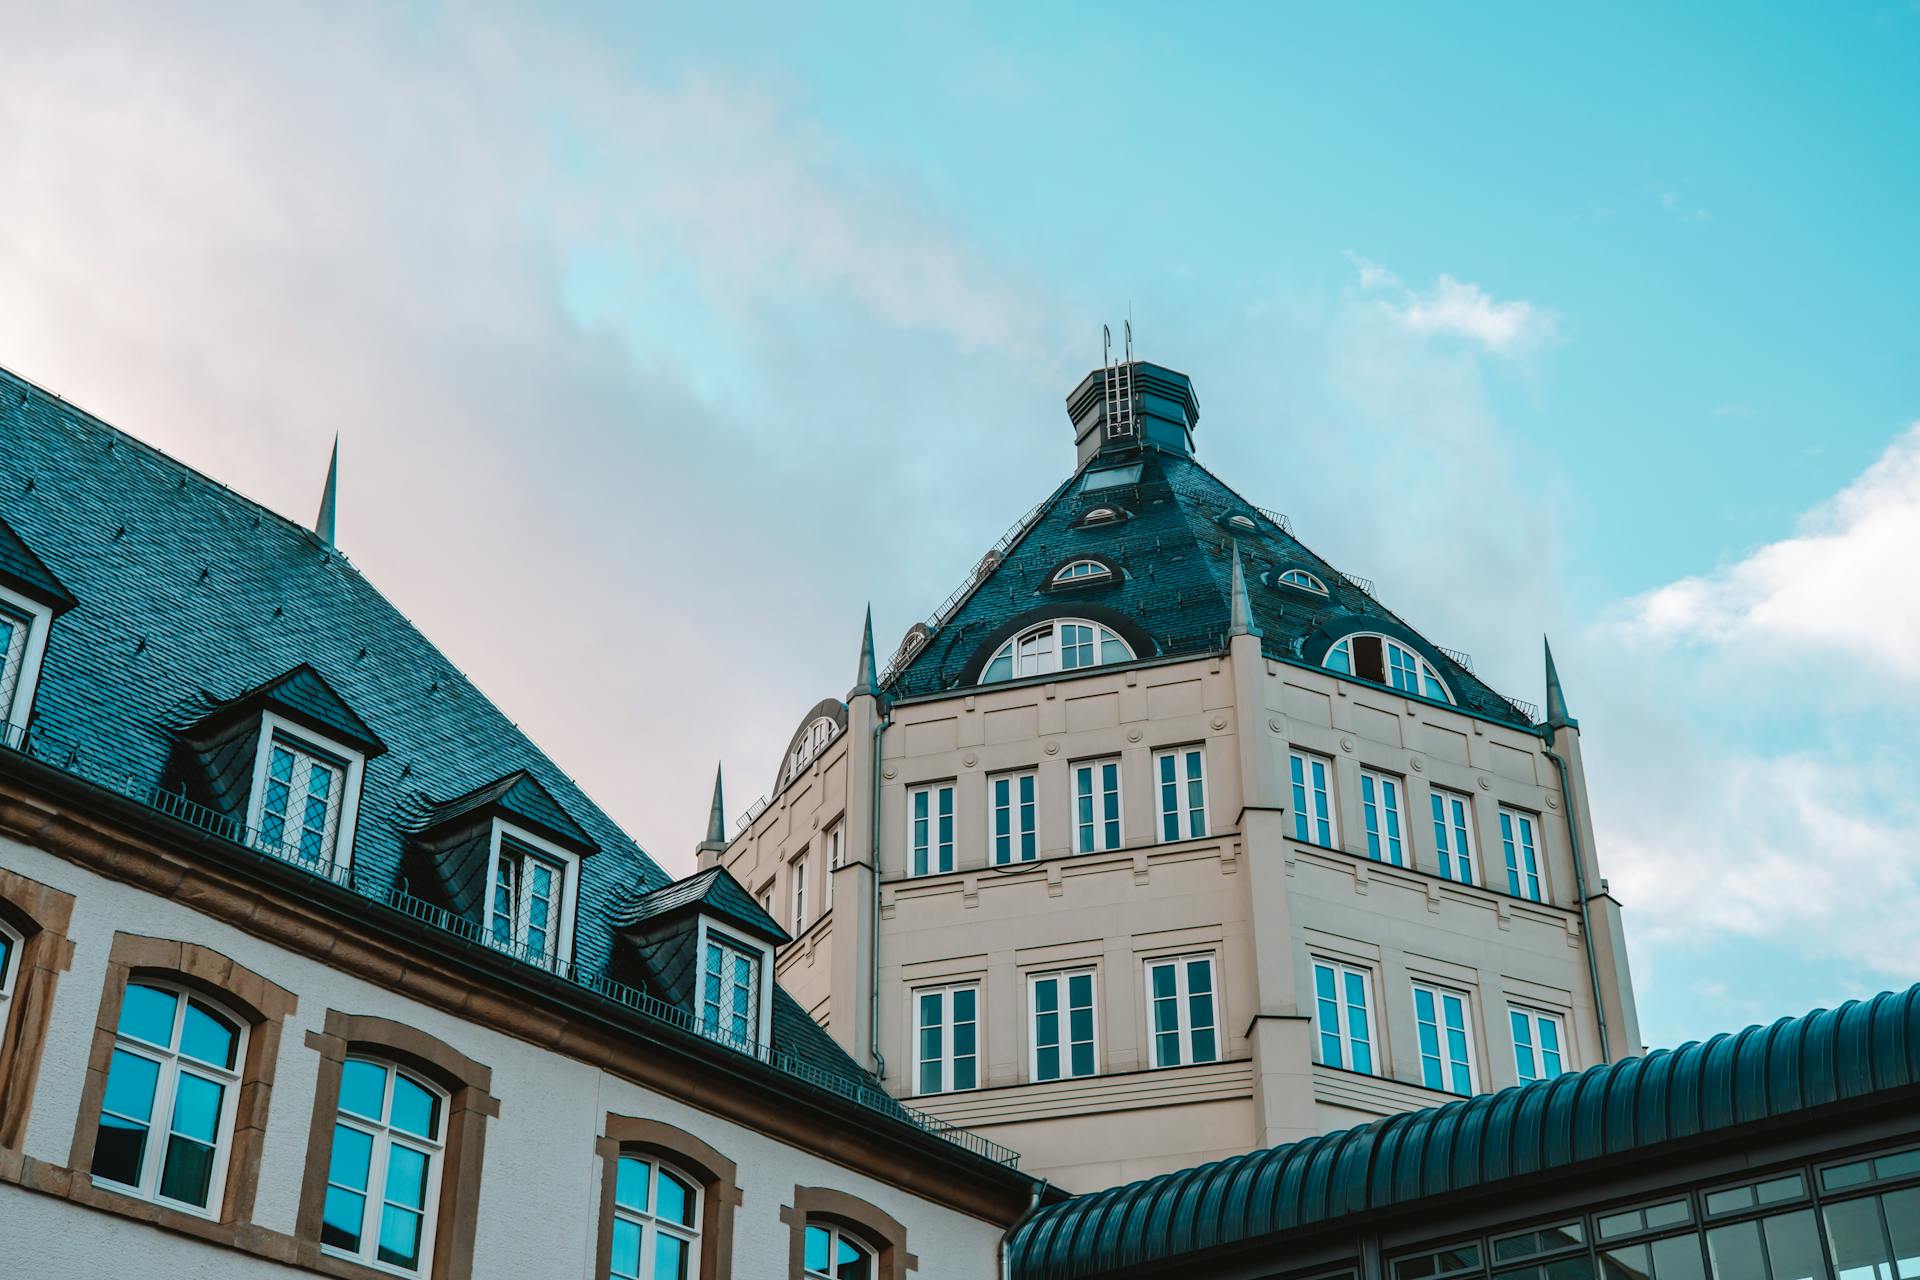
x=1453, y=835
x=1181, y=998
x=830, y=1253
x=730, y=992
x=1380, y=806
x=947, y=1039
x=1440, y=1021
x=1013, y=820
x=1063, y=1044
x=1180, y=789
x=930, y=819
x=1341, y=1016
x=383, y=1168
x=1096, y=806
x=1523, y=865
x=1311, y=777
x=1536, y=1045
x=656, y=1232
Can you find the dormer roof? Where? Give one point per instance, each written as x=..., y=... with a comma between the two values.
x=713, y=892
x=28, y=574
x=303, y=696
x=520, y=799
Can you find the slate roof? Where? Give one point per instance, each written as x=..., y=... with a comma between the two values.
x=191, y=597
x=1172, y=598
x=304, y=695
x=715, y=892
x=1669, y=1097
x=28, y=574
x=520, y=796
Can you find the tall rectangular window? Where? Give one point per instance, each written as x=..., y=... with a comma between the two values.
x=1012, y=818
x=797, y=878
x=1453, y=835
x=1537, y=1041
x=1180, y=785
x=730, y=991
x=1446, y=1055
x=1062, y=1010
x=946, y=1038
x=1313, y=817
x=1096, y=806
x=836, y=856
x=1180, y=1002
x=525, y=911
x=300, y=803
x=1343, y=1016
x=1523, y=863
x=1380, y=803
x=930, y=828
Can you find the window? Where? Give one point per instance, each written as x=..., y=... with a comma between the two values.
x=813, y=739
x=1875, y=1238
x=529, y=903
x=1111, y=477
x=1387, y=661
x=930, y=835
x=23, y=642
x=1101, y=515
x=383, y=1174
x=836, y=855
x=1453, y=835
x=1523, y=866
x=1180, y=997
x=297, y=813
x=10, y=943
x=656, y=1222
x=1064, y=644
x=730, y=989
x=1180, y=778
x=797, y=877
x=166, y=1118
x=1446, y=1057
x=1537, y=1038
x=1241, y=521
x=946, y=1039
x=1380, y=806
x=1313, y=819
x=1012, y=824
x=1079, y=572
x=1342, y=1016
x=835, y=1254
x=1305, y=581
x=1096, y=806
x=1063, y=1040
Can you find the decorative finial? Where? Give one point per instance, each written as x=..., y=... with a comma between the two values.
x=323, y=523
x=1557, y=717
x=867, y=681
x=716, y=818
x=1242, y=622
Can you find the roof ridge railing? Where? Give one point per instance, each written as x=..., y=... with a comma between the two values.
x=65, y=755
x=1286, y=525
x=1462, y=658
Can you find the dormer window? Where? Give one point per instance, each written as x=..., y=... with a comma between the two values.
x=1240, y=520
x=1387, y=661
x=735, y=1000
x=812, y=742
x=1303, y=580
x=1077, y=573
x=306, y=788
x=1101, y=515
x=1062, y=644
x=530, y=911
x=30, y=599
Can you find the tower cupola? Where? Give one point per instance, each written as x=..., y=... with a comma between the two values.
x=1122, y=406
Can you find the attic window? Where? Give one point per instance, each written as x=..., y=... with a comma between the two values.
x=1387, y=661
x=1063, y=644
x=1100, y=515
x=1241, y=520
x=812, y=742
x=306, y=788
x=734, y=1002
x=1079, y=572
x=1110, y=478
x=1302, y=579
x=530, y=906
x=23, y=641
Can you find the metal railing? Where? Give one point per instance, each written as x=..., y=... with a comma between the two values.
x=1286, y=525
x=1365, y=584
x=1464, y=659
x=115, y=776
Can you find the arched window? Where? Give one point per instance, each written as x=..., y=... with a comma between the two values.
x=1387, y=661
x=656, y=1222
x=812, y=742
x=1080, y=571
x=383, y=1175
x=834, y=1253
x=166, y=1117
x=1100, y=515
x=1240, y=520
x=1063, y=644
x=1305, y=581
x=10, y=943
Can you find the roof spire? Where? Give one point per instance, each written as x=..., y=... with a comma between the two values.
x=1557, y=717
x=716, y=818
x=1242, y=623
x=323, y=523
x=867, y=680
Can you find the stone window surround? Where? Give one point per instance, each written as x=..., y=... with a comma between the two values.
x=262, y=1004
x=469, y=1106
x=875, y=1227
x=40, y=915
x=718, y=1177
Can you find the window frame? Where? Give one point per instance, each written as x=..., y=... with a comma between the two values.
x=1381, y=796
x=1097, y=826
x=1423, y=668
x=533, y=848
x=815, y=738
x=1023, y=817
x=1048, y=663
x=1529, y=884
x=1293, y=578
x=884, y=1237
x=1193, y=757
x=948, y=1060
x=649, y=1222
x=1298, y=791
x=1063, y=1012
x=38, y=916
x=797, y=890
x=1097, y=572
x=836, y=1235
x=1438, y=993
x=337, y=861
x=708, y=934
x=382, y=1134
x=834, y=852
x=1448, y=823
x=24, y=658
x=1535, y=1019
x=1340, y=971
x=1184, y=1026
x=13, y=946
x=717, y=1178
x=926, y=859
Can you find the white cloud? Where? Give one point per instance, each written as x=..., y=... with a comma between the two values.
x=1841, y=586
x=1458, y=309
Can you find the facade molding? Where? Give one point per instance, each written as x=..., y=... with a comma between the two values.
x=873, y=1225
x=40, y=914
x=718, y=1176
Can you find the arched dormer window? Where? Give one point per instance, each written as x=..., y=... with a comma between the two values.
x=1302, y=579
x=1100, y=515
x=1387, y=661
x=1085, y=571
x=1241, y=520
x=1059, y=644
x=814, y=740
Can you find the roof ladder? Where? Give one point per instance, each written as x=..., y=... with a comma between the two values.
x=1119, y=389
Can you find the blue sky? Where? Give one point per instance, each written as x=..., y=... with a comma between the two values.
x=662, y=341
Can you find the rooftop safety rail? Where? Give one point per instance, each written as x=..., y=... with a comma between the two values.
x=134, y=784
x=1286, y=525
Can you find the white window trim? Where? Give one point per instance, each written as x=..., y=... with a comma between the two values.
x=1183, y=810
x=1438, y=991
x=1053, y=625
x=1307, y=760
x=763, y=1039
x=797, y=891
x=1312, y=582
x=1064, y=978
x=1012, y=777
x=1099, y=822
x=932, y=791
x=814, y=739
x=1183, y=1007
x=9, y=976
x=1065, y=576
x=274, y=725
x=835, y=1234
x=1340, y=969
x=1534, y=1018
x=382, y=1132
x=835, y=847
x=649, y=1222
x=1422, y=668
x=19, y=708
x=946, y=992
x=160, y=1123
x=1519, y=872
x=569, y=889
x=1381, y=780
x=1443, y=862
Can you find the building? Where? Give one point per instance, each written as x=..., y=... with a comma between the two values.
x=1788, y=1152
x=310, y=960
x=1163, y=840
